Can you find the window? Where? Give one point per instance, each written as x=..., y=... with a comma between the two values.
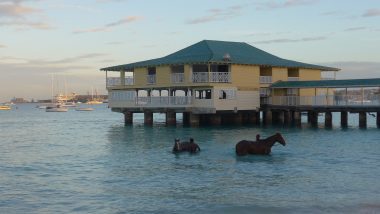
x=227, y=94
x=292, y=92
x=203, y=94
x=264, y=92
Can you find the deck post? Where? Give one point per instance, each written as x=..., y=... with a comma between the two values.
x=309, y=116
x=328, y=119
x=194, y=120
x=297, y=118
x=257, y=113
x=378, y=119
x=314, y=118
x=362, y=119
x=288, y=117
x=344, y=118
x=267, y=117
x=170, y=118
x=128, y=118
x=148, y=118
x=186, y=118
x=215, y=119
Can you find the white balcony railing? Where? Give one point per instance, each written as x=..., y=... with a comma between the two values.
x=178, y=77
x=220, y=77
x=180, y=101
x=293, y=78
x=116, y=81
x=323, y=100
x=202, y=77
x=151, y=79
x=265, y=79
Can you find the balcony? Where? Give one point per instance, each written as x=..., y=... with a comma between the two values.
x=265, y=79
x=325, y=100
x=214, y=77
x=178, y=77
x=151, y=79
x=117, y=81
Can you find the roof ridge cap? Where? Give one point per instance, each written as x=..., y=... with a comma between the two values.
x=208, y=47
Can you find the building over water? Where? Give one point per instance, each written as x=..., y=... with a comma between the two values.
x=212, y=82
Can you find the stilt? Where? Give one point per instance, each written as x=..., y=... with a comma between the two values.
x=250, y=117
x=288, y=117
x=344, y=119
x=186, y=118
x=378, y=119
x=128, y=118
x=328, y=119
x=194, y=120
x=237, y=118
x=215, y=119
x=314, y=118
x=257, y=113
x=297, y=118
x=148, y=118
x=170, y=118
x=281, y=117
x=309, y=116
x=267, y=117
x=362, y=119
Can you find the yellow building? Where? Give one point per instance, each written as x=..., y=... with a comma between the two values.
x=211, y=81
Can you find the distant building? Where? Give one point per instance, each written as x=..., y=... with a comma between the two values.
x=19, y=100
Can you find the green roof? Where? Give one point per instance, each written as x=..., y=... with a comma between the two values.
x=348, y=83
x=209, y=51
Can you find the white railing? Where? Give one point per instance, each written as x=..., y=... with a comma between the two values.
x=327, y=78
x=201, y=77
x=151, y=79
x=265, y=79
x=323, y=100
x=220, y=77
x=116, y=81
x=163, y=101
x=178, y=77
x=293, y=78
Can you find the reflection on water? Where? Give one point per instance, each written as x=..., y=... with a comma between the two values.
x=92, y=163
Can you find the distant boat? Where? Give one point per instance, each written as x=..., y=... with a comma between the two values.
x=69, y=104
x=5, y=107
x=57, y=108
x=84, y=109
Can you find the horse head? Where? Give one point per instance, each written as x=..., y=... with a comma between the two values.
x=177, y=145
x=280, y=139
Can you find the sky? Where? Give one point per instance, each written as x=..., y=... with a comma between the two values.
x=71, y=40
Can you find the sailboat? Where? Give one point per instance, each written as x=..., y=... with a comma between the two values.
x=94, y=100
x=54, y=107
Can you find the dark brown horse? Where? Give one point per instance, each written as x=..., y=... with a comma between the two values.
x=260, y=146
x=185, y=146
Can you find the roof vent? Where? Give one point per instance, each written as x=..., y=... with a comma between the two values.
x=227, y=57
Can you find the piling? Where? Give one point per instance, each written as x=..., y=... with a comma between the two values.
x=128, y=118
x=328, y=119
x=344, y=118
x=362, y=119
x=148, y=118
x=170, y=118
x=194, y=120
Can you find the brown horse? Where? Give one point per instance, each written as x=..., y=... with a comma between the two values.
x=260, y=146
x=185, y=146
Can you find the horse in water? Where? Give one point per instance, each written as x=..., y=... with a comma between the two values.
x=185, y=146
x=260, y=146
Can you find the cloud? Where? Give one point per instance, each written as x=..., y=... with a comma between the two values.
x=306, y=39
x=371, y=13
x=355, y=28
x=14, y=14
x=108, y=26
x=14, y=9
x=217, y=15
x=285, y=4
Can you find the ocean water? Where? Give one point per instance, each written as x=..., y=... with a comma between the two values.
x=89, y=162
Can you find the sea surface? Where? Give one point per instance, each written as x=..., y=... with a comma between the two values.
x=89, y=162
